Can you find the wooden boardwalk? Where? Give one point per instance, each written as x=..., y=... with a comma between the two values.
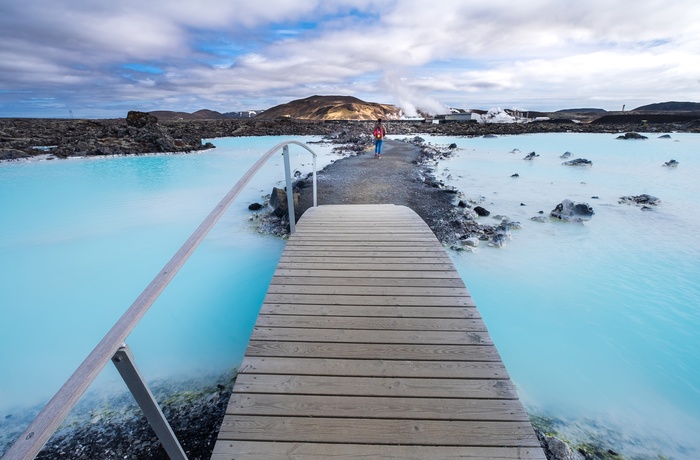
x=368, y=345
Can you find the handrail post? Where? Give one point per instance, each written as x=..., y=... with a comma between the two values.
x=123, y=360
x=315, y=192
x=290, y=192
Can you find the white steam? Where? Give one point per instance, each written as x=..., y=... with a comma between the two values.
x=409, y=100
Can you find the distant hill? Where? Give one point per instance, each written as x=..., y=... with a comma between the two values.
x=672, y=106
x=582, y=110
x=322, y=108
x=198, y=115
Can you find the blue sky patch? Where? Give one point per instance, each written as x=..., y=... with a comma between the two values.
x=143, y=68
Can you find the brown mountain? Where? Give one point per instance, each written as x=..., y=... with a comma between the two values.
x=322, y=108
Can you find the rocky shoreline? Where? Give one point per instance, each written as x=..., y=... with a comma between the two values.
x=141, y=133
x=113, y=427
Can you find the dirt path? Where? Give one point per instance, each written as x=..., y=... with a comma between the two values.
x=395, y=178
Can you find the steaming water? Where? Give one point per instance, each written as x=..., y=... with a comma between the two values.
x=80, y=239
x=597, y=322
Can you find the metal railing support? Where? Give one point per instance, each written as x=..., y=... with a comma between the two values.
x=44, y=425
x=123, y=360
x=290, y=192
x=314, y=181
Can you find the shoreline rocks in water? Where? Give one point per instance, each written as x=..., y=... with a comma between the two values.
x=568, y=211
x=578, y=162
x=643, y=200
x=113, y=427
x=140, y=133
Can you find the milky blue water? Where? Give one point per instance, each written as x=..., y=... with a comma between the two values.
x=81, y=238
x=597, y=322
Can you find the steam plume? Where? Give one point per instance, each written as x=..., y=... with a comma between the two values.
x=409, y=100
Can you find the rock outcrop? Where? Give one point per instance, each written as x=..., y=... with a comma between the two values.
x=578, y=162
x=641, y=200
x=278, y=202
x=139, y=133
x=568, y=211
x=635, y=136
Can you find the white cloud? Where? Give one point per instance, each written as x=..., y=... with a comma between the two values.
x=468, y=54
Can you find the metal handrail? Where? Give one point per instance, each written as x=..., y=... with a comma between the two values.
x=48, y=420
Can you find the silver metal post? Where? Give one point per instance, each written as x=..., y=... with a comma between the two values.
x=315, y=193
x=123, y=360
x=290, y=193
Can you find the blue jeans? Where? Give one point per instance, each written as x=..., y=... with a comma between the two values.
x=378, y=146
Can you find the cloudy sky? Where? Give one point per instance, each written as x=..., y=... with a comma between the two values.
x=102, y=58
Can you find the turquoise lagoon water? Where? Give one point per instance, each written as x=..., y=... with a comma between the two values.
x=81, y=238
x=597, y=322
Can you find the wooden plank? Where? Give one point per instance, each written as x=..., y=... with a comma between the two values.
x=378, y=367
x=367, y=290
x=375, y=386
x=411, y=352
x=358, y=251
x=394, y=263
x=361, y=239
x=346, y=281
x=373, y=431
x=370, y=311
x=261, y=450
x=397, y=229
x=371, y=323
x=414, y=262
x=378, y=300
x=307, y=242
x=375, y=407
x=368, y=274
x=289, y=334
x=363, y=266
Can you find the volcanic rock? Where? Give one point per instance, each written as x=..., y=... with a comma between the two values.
x=568, y=211
x=278, y=202
x=642, y=199
x=578, y=162
x=632, y=136
x=12, y=154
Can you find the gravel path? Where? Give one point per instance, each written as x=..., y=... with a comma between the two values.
x=395, y=178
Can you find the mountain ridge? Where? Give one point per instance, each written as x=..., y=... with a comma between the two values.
x=321, y=108
x=337, y=107
x=671, y=106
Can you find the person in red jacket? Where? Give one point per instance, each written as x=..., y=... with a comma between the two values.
x=378, y=133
